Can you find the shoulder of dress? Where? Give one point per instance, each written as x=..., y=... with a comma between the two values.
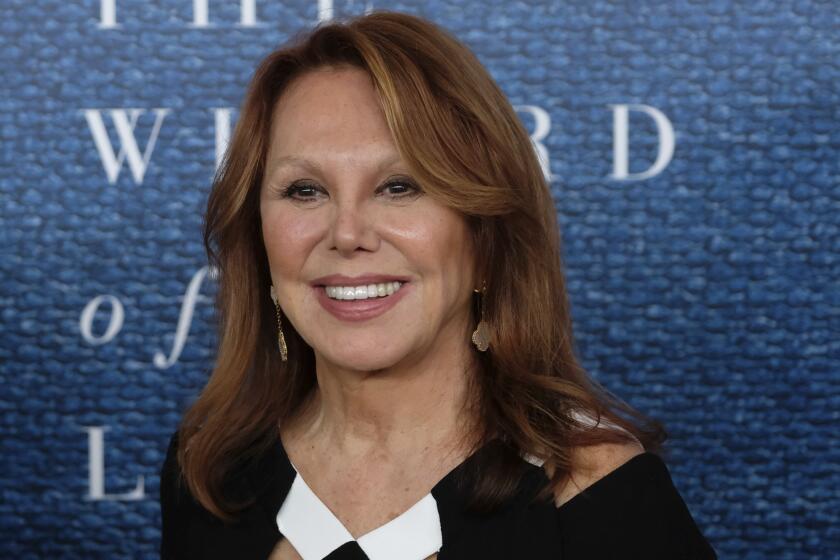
x=633, y=510
x=173, y=487
x=634, y=476
x=594, y=462
x=170, y=462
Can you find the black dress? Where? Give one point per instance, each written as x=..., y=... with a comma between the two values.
x=633, y=512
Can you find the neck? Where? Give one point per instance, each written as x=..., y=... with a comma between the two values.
x=407, y=408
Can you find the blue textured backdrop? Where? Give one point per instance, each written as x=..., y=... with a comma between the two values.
x=706, y=295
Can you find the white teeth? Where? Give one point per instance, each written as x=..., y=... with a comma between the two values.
x=363, y=292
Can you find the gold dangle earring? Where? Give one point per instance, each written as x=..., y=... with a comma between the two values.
x=481, y=334
x=281, y=340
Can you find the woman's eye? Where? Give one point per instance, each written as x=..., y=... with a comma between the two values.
x=301, y=191
x=401, y=188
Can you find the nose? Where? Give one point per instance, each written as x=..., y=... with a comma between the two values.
x=353, y=228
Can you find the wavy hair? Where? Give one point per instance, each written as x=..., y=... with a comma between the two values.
x=475, y=156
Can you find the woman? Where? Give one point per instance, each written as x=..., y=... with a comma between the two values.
x=396, y=375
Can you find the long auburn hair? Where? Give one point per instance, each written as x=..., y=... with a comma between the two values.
x=459, y=134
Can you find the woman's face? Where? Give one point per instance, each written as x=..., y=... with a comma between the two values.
x=341, y=210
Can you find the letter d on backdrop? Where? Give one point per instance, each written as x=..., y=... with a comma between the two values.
x=621, y=142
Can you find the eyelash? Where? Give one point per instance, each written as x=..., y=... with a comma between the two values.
x=297, y=186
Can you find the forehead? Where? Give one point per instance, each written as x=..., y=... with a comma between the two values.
x=329, y=121
x=326, y=106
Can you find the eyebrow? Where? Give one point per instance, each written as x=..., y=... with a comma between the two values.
x=287, y=161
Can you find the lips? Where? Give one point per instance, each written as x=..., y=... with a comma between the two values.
x=355, y=310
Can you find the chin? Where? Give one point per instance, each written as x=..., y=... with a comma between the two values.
x=369, y=357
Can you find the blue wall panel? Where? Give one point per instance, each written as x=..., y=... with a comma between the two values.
x=705, y=295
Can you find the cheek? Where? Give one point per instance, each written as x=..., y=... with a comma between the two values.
x=288, y=237
x=440, y=244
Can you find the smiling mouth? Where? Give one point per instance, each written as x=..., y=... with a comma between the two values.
x=366, y=303
x=367, y=291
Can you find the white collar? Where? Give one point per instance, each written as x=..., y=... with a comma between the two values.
x=315, y=531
